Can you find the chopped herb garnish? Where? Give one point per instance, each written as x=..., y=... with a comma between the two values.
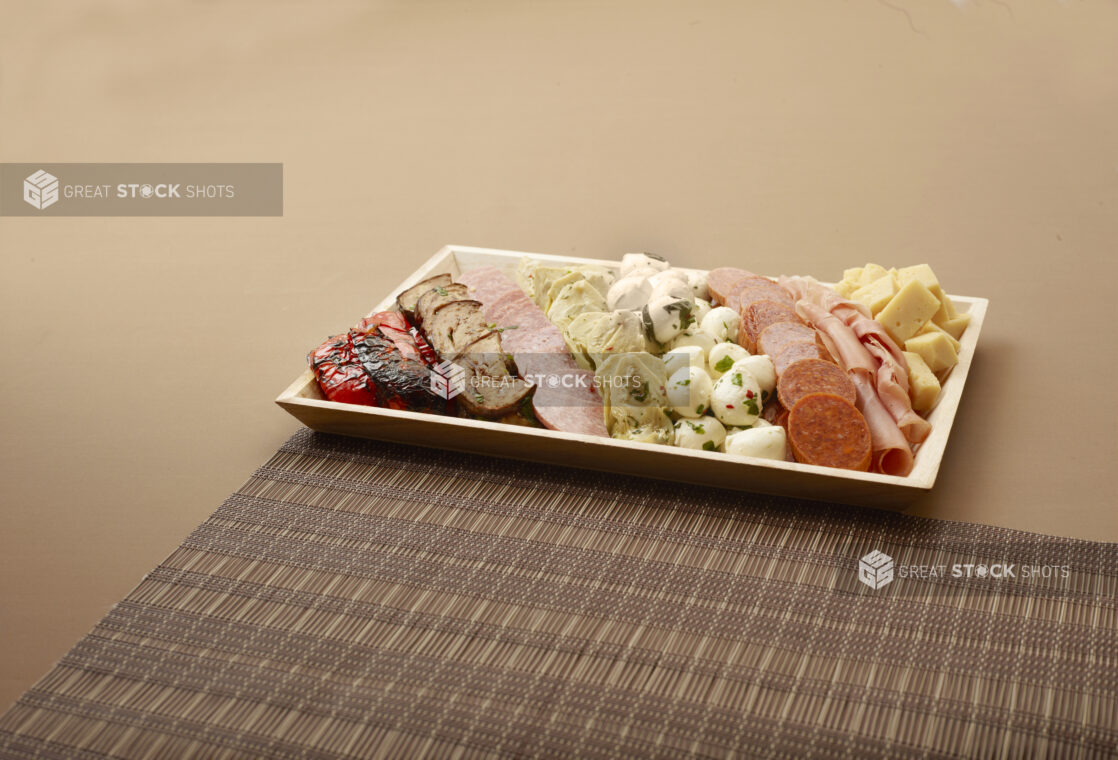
x=736, y=379
x=698, y=428
x=700, y=409
x=724, y=364
x=479, y=398
x=441, y=291
x=709, y=446
x=685, y=382
x=751, y=405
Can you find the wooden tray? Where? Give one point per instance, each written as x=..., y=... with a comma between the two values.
x=304, y=400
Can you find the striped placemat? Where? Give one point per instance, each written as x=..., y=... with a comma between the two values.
x=361, y=599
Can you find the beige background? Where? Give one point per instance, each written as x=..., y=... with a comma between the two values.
x=142, y=355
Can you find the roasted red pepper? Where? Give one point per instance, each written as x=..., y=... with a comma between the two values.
x=383, y=361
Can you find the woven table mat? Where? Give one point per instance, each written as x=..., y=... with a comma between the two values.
x=356, y=598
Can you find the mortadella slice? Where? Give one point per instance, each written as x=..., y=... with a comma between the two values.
x=565, y=398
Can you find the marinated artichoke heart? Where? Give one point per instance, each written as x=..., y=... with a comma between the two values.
x=633, y=398
x=574, y=298
x=596, y=335
x=536, y=280
x=598, y=277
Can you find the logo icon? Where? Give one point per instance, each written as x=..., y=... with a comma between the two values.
x=448, y=379
x=41, y=189
x=875, y=569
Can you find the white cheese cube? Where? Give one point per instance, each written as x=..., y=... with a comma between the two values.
x=876, y=295
x=935, y=349
x=909, y=309
x=923, y=386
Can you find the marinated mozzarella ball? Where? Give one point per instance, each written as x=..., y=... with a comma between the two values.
x=762, y=369
x=671, y=283
x=763, y=442
x=736, y=398
x=684, y=356
x=689, y=391
x=634, y=261
x=666, y=317
x=702, y=308
x=721, y=323
x=723, y=356
x=698, y=283
x=704, y=433
x=693, y=337
x=628, y=293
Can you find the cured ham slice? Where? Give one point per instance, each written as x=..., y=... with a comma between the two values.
x=565, y=397
x=892, y=454
x=889, y=368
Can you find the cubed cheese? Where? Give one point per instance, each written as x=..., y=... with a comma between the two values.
x=921, y=272
x=946, y=310
x=853, y=275
x=933, y=327
x=909, y=309
x=875, y=295
x=923, y=386
x=846, y=288
x=935, y=349
x=954, y=327
x=871, y=272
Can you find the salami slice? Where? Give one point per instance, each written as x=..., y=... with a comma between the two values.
x=798, y=351
x=774, y=338
x=827, y=430
x=775, y=413
x=814, y=376
x=721, y=282
x=760, y=315
x=755, y=290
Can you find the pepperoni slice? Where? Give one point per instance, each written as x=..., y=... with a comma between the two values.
x=827, y=430
x=758, y=316
x=775, y=337
x=814, y=376
x=798, y=351
x=754, y=292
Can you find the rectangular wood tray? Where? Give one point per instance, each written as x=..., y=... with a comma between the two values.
x=304, y=400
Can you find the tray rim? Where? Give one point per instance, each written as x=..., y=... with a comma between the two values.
x=922, y=479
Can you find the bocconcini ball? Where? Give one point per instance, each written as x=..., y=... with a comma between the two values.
x=704, y=433
x=633, y=261
x=762, y=369
x=693, y=337
x=702, y=308
x=723, y=356
x=684, y=356
x=689, y=391
x=628, y=293
x=764, y=442
x=721, y=323
x=736, y=398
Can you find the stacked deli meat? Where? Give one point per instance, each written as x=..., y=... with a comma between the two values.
x=842, y=382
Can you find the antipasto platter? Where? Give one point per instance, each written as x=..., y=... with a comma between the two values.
x=840, y=391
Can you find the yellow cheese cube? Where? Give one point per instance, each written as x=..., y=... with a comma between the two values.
x=846, y=288
x=946, y=311
x=923, y=386
x=921, y=272
x=935, y=349
x=871, y=272
x=954, y=327
x=853, y=275
x=875, y=295
x=909, y=309
x=933, y=327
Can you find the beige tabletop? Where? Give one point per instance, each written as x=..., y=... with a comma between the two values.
x=142, y=355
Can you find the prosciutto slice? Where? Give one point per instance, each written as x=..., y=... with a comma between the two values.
x=565, y=397
x=890, y=370
x=892, y=454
